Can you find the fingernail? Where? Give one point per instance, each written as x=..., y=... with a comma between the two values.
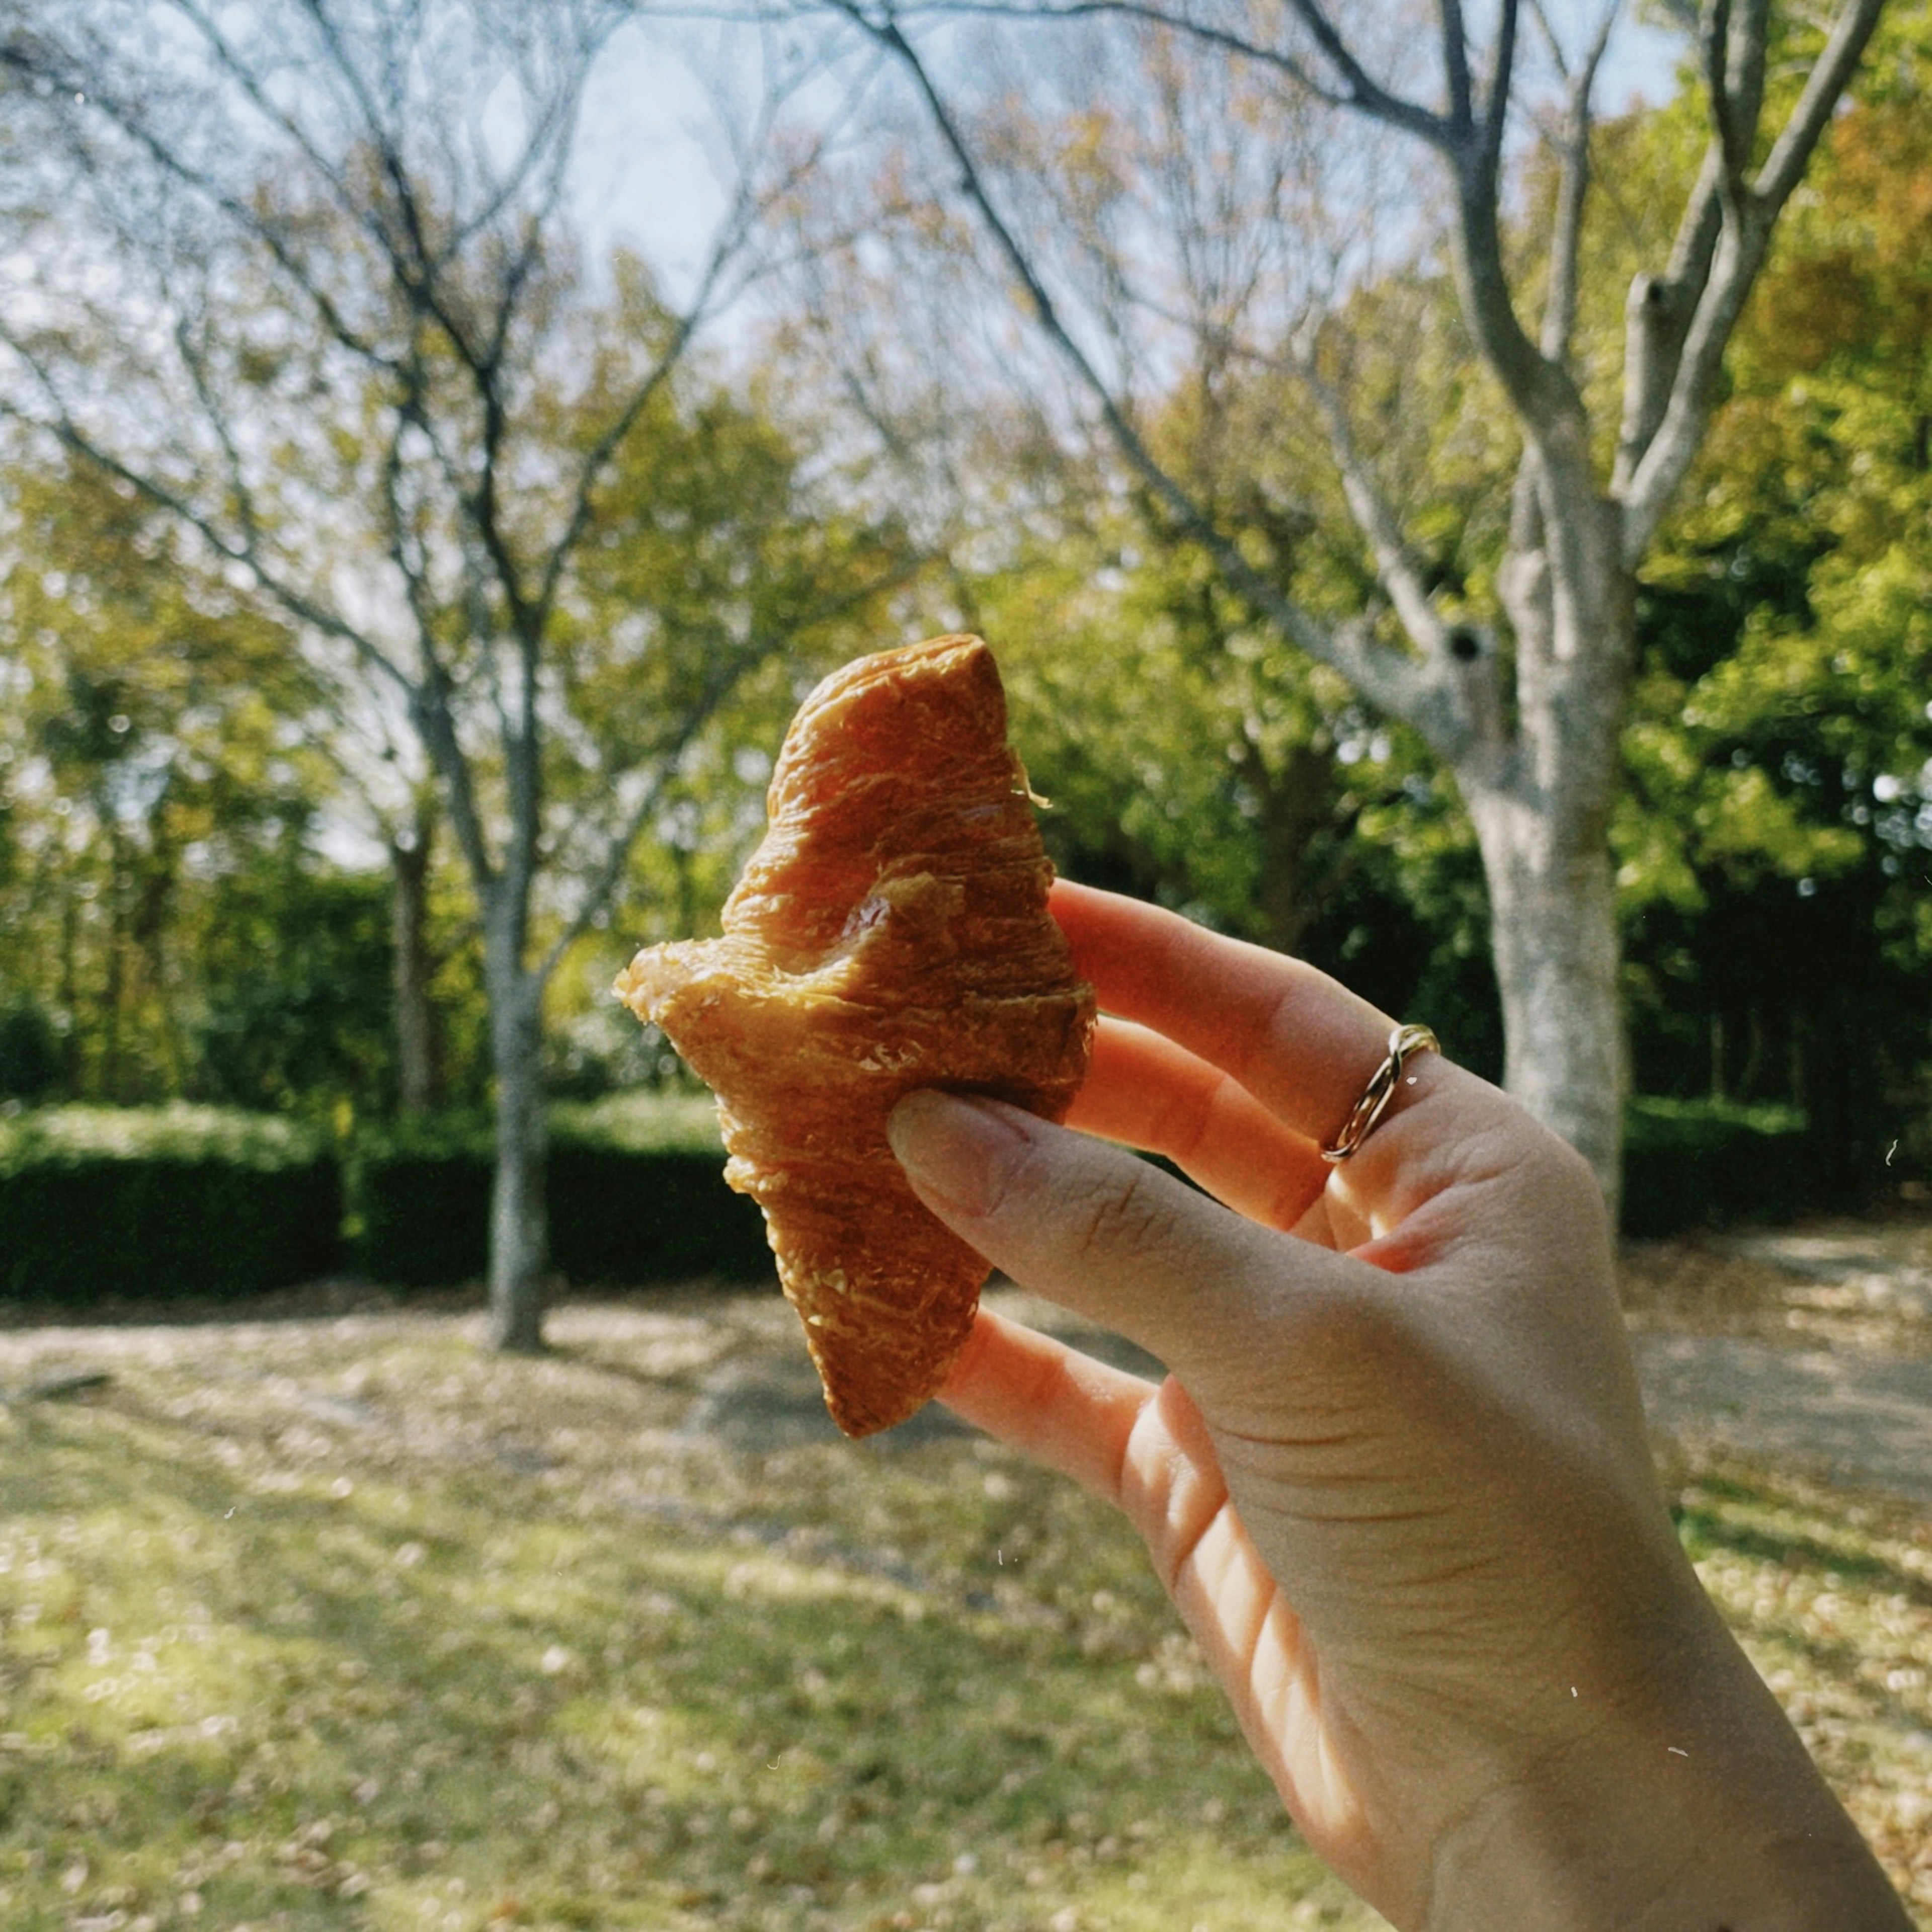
x=958, y=1151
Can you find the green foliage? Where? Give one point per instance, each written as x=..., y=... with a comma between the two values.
x=159, y=803
x=174, y=1202
x=296, y=998
x=1776, y=839
x=30, y=1051
x=1706, y=1164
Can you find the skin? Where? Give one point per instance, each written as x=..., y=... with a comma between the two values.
x=1397, y=1482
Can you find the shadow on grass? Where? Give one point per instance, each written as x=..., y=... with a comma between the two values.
x=1724, y=1513
x=942, y=1692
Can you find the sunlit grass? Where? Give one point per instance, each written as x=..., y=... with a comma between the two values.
x=1833, y=1600
x=345, y=1624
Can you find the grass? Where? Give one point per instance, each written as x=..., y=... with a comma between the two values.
x=1832, y=1599
x=340, y=1622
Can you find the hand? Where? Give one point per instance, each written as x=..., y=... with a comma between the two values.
x=1397, y=1483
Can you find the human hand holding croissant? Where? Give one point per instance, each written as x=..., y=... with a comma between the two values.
x=1397, y=1483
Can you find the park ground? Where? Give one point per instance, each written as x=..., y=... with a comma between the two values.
x=313, y=1614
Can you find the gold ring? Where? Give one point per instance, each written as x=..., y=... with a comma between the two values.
x=1380, y=1090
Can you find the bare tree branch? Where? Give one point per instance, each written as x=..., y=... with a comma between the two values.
x=598, y=458
x=1363, y=92
x=1401, y=685
x=228, y=59
x=1454, y=36
x=1831, y=74
x=1354, y=87
x=1566, y=237
x=1649, y=469
x=195, y=365
x=1502, y=80
x=430, y=700
x=1396, y=563
x=727, y=669
x=65, y=428
x=37, y=62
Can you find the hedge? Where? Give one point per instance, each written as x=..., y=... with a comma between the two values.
x=196, y=1203
x=636, y=1195
x=1708, y=1164
x=201, y=1202
x=176, y=1201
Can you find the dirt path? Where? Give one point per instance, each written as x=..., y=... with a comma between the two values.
x=1809, y=1349
x=1858, y=1421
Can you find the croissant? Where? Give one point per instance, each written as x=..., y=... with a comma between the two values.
x=890, y=932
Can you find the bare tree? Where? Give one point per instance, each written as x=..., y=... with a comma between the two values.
x=304, y=276
x=1526, y=713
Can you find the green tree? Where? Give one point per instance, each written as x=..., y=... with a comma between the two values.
x=375, y=379
x=1164, y=193
x=154, y=749
x=1775, y=842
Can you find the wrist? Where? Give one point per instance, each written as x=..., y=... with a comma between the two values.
x=1692, y=1807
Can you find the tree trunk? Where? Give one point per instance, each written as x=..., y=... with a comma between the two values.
x=1298, y=804
x=74, y=1070
x=113, y=993
x=1555, y=942
x=519, y=1213
x=416, y=1070
x=1543, y=820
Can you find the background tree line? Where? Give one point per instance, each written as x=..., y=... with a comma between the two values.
x=400, y=607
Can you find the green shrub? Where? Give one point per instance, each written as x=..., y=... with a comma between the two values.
x=636, y=1195
x=1710, y=1164
x=419, y=1200
x=30, y=1051
x=136, y=1202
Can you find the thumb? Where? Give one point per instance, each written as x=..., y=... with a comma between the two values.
x=1094, y=1228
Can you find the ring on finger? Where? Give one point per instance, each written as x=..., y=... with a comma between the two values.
x=1380, y=1090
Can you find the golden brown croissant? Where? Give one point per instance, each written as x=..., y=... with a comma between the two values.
x=891, y=932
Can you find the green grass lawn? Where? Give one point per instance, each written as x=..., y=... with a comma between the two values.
x=343, y=1623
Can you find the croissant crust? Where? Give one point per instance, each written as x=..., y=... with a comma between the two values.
x=890, y=932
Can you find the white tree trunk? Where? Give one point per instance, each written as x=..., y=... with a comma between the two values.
x=519, y=1210
x=1542, y=814
x=1554, y=937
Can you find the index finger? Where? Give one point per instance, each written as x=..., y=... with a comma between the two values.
x=1295, y=1038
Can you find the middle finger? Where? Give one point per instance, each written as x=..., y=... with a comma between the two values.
x=1300, y=1042
x=1144, y=1091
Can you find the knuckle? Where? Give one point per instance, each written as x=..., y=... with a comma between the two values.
x=1116, y=1211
